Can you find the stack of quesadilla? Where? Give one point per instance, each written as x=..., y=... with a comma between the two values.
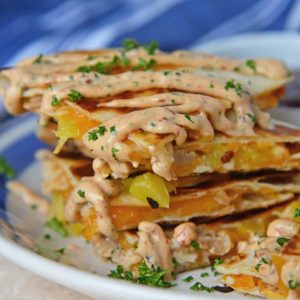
x=151, y=147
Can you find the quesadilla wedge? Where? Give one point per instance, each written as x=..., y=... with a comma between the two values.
x=132, y=108
x=267, y=265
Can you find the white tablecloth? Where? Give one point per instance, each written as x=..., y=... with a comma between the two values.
x=19, y=284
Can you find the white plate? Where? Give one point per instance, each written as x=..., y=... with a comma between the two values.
x=88, y=275
x=281, y=45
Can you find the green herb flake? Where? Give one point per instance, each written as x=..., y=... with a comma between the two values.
x=74, y=96
x=152, y=47
x=47, y=236
x=195, y=245
x=33, y=206
x=250, y=63
x=113, y=152
x=188, y=279
x=153, y=276
x=144, y=64
x=294, y=284
x=130, y=44
x=211, y=85
x=57, y=226
x=173, y=101
x=296, y=213
x=166, y=73
x=38, y=59
x=198, y=286
x=54, y=101
x=188, y=117
x=113, y=130
x=261, y=262
x=81, y=193
x=175, y=262
x=5, y=169
x=252, y=118
x=204, y=275
x=237, y=69
x=217, y=262
x=91, y=57
x=281, y=241
x=232, y=84
x=147, y=275
x=94, y=134
x=60, y=251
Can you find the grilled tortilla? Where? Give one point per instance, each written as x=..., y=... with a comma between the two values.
x=277, y=149
x=201, y=197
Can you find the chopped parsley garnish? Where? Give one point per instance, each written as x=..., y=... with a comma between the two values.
x=130, y=44
x=47, y=236
x=250, y=63
x=195, y=245
x=211, y=85
x=60, y=251
x=252, y=118
x=175, y=262
x=261, y=262
x=188, y=116
x=173, y=101
x=281, y=241
x=74, y=96
x=119, y=273
x=218, y=261
x=204, y=275
x=198, y=286
x=90, y=57
x=113, y=152
x=144, y=64
x=296, y=213
x=232, y=84
x=112, y=130
x=147, y=275
x=152, y=124
x=93, y=135
x=54, y=101
x=105, y=67
x=294, y=284
x=57, y=226
x=151, y=48
x=152, y=276
x=5, y=169
x=188, y=279
x=237, y=69
x=167, y=73
x=81, y=193
x=33, y=206
x=38, y=60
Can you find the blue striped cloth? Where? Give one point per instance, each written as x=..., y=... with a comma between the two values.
x=29, y=27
